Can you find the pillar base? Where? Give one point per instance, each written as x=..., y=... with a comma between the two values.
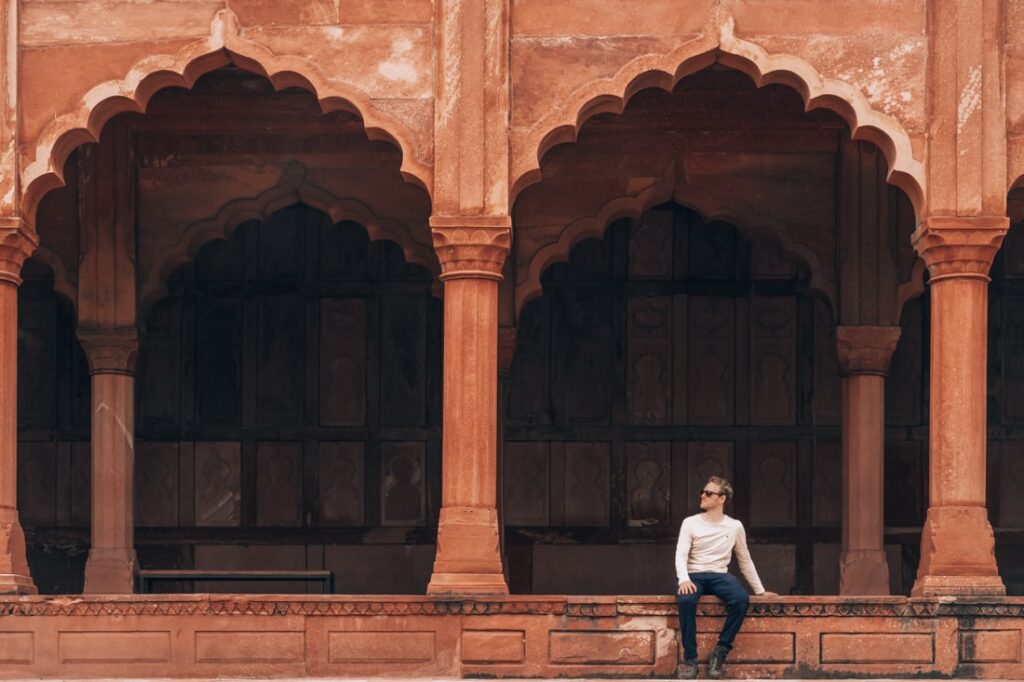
x=958, y=554
x=110, y=571
x=15, y=577
x=863, y=572
x=958, y=586
x=468, y=553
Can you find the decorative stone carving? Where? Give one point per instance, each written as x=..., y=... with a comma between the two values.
x=471, y=247
x=472, y=251
x=866, y=349
x=110, y=351
x=956, y=246
x=16, y=245
x=957, y=544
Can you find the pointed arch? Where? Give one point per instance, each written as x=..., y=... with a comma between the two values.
x=719, y=44
x=710, y=207
x=44, y=169
x=294, y=188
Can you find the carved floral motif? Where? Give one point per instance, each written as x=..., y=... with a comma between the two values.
x=954, y=246
x=16, y=245
x=865, y=349
x=239, y=605
x=473, y=247
x=110, y=351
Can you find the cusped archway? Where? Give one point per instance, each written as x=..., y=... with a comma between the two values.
x=43, y=166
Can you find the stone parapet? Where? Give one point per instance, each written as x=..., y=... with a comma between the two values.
x=519, y=636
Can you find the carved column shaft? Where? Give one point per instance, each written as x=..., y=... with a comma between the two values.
x=468, y=545
x=957, y=543
x=111, y=565
x=15, y=247
x=864, y=355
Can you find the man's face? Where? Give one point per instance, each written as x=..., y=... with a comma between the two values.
x=711, y=497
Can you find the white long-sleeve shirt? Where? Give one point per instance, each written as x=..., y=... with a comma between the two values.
x=706, y=547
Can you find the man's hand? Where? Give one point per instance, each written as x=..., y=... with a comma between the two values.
x=768, y=594
x=687, y=587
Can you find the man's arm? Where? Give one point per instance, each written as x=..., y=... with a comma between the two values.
x=683, y=552
x=745, y=562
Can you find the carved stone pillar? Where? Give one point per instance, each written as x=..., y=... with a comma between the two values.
x=471, y=251
x=111, y=566
x=15, y=247
x=957, y=543
x=864, y=355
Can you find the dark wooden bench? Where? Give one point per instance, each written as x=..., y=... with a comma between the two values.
x=148, y=577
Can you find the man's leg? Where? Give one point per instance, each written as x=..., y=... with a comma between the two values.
x=737, y=601
x=729, y=590
x=688, y=619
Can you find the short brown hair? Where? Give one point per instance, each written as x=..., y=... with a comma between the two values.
x=723, y=486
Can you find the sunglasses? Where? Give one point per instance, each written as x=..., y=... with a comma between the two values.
x=709, y=493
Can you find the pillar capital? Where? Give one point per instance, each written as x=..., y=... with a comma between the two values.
x=110, y=350
x=865, y=349
x=17, y=242
x=471, y=246
x=958, y=246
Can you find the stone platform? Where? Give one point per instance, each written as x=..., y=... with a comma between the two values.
x=207, y=636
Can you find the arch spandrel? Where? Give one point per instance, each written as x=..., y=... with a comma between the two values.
x=719, y=44
x=294, y=187
x=711, y=205
x=43, y=158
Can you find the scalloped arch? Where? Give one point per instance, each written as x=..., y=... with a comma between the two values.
x=62, y=283
x=261, y=207
x=710, y=208
x=719, y=44
x=225, y=45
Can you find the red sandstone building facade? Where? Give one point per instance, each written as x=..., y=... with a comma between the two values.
x=463, y=301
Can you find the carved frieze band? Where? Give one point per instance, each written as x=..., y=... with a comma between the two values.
x=17, y=243
x=243, y=606
x=865, y=349
x=955, y=246
x=110, y=351
x=474, y=247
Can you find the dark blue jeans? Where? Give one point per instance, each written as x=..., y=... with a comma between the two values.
x=727, y=588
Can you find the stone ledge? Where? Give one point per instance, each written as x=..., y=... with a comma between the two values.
x=537, y=636
x=584, y=606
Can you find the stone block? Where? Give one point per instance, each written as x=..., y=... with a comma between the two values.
x=249, y=647
x=493, y=646
x=877, y=648
x=114, y=647
x=601, y=648
x=17, y=648
x=755, y=647
x=990, y=646
x=389, y=647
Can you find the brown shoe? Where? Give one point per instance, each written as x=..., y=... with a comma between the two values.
x=688, y=670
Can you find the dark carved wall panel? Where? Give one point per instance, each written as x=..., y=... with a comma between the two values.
x=157, y=483
x=669, y=351
x=218, y=484
x=278, y=484
x=712, y=357
x=288, y=391
x=342, y=368
x=773, y=375
x=341, y=475
x=527, y=484
x=648, y=481
x=587, y=484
